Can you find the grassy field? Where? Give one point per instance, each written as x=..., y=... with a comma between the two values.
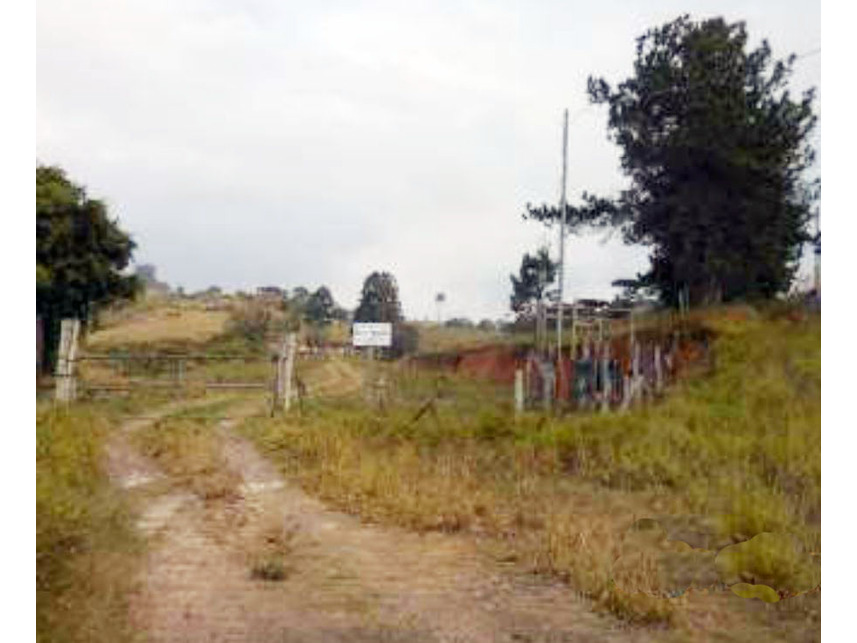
x=160, y=326
x=439, y=339
x=723, y=459
x=86, y=548
x=653, y=513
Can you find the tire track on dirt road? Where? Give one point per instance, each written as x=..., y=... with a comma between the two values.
x=345, y=580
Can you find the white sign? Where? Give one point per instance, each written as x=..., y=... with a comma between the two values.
x=372, y=334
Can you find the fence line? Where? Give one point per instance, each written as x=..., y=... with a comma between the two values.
x=598, y=376
x=66, y=378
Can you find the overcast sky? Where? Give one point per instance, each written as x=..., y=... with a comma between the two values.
x=269, y=142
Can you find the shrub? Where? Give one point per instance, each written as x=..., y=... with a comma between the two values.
x=251, y=321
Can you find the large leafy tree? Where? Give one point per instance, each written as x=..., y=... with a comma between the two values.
x=80, y=255
x=537, y=272
x=716, y=149
x=379, y=299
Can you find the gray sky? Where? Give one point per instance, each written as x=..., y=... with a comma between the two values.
x=269, y=142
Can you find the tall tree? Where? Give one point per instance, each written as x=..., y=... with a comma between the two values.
x=80, y=255
x=379, y=299
x=716, y=150
x=537, y=272
x=320, y=307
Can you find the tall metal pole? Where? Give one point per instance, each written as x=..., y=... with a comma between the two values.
x=562, y=236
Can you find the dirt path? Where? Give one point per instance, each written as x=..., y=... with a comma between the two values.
x=344, y=580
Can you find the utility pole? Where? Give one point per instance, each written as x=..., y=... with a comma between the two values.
x=816, y=273
x=562, y=236
x=541, y=318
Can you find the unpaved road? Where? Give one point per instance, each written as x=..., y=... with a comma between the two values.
x=345, y=581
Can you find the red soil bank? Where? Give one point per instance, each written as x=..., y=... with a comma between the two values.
x=497, y=363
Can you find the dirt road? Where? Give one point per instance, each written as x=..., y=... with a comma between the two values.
x=342, y=580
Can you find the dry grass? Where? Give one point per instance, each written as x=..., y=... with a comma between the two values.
x=161, y=325
x=440, y=339
x=723, y=459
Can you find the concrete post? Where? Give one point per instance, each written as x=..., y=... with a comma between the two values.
x=519, y=390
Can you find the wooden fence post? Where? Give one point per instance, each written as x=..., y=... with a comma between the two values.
x=65, y=385
x=180, y=374
x=658, y=372
x=605, y=377
x=275, y=383
x=289, y=370
x=548, y=385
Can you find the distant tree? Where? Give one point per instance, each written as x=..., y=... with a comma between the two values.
x=379, y=299
x=146, y=273
x=80, y=255
x=320, y=307
x=487, y=325
x=534, y=276
x=294, y=305
x=298, y=300
x=341, y=314
x=716, y=149
x=459, y=322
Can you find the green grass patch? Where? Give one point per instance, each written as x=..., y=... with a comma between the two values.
x=86, y=548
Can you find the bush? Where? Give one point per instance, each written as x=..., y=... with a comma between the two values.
x=252, y=321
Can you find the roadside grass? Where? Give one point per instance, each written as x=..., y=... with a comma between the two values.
x=722, y=459
x=86, y=546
